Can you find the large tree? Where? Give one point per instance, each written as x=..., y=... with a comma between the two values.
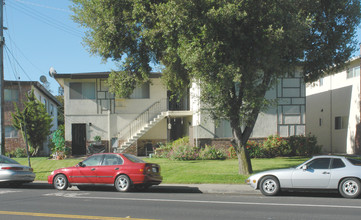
x=33, y=120
x=236, y=49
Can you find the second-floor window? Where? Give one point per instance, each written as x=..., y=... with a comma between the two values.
x=11, y=95
x=353, y=72
x=140, y=92
x=82, y=90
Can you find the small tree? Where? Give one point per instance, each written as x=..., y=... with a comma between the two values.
x=35, y=119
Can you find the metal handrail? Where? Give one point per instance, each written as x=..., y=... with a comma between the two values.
x=143, y=119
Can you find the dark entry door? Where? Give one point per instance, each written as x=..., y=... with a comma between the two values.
x=78, y=133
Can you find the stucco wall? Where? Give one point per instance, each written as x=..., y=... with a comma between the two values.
x=334, y=96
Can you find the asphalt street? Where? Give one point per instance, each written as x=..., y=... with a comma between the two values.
x=204, y=201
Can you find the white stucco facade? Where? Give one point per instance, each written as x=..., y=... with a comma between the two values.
x=286, y=118
x=333, y=109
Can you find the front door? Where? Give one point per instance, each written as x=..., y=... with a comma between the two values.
x=78, y=132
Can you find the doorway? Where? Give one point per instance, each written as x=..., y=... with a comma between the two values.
x=78, y=133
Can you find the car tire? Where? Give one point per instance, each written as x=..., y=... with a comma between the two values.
x=269, y=186
x=123, y=183
x=60, y=182
x=350, y=188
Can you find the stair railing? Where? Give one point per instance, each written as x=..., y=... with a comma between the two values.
x=142, y=120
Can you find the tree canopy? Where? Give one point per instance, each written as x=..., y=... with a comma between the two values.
x=236, y=49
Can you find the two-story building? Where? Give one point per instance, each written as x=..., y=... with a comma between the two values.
x=147, y=117
x=333, y=109
x=15, y=92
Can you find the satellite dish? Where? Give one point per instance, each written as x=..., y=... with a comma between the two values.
x=43, y=79
x=52, y=72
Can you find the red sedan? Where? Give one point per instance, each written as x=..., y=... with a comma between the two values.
x=123, y=171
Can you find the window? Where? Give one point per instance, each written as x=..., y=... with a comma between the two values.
x=320, y=82
x=93, y=161
x=82, y=90
x=355, y=162
x=11, y=132
x=353, y=72
x=341, y=122
x=337, y=163
x=320, y=163
x=111, y=159
x=11, y=95
x=140, y=92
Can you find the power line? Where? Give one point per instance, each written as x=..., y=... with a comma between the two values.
x=45, y=19
x=8, y=50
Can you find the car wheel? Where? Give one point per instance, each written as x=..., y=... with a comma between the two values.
x=350, y=188
x=122, y=183
x=60, y=182
x=269, y=186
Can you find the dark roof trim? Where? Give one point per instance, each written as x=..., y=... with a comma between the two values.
x=38, y=86
x=92, y=75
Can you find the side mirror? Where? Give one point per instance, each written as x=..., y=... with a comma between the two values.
x=80, y=164
x=304, y=167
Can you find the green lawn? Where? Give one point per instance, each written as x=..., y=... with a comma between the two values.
x=199, y=171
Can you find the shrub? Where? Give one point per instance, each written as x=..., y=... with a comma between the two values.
x=164, y=150
x=232, y=153
x=21, y=152
x=211, y=153
x=254, y=149
x=184, y=152
x=275, y=146
x=302, y=145
x=59, y=149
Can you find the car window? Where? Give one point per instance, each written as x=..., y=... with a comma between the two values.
x=319, y=163
x=7, y=160
x=112, y=159
x=133, y=158
x=354, y=161
x=93, y=160
x=337, y=163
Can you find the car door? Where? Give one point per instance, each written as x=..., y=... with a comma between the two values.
x=87, y=172
x=315, y=174
x=112, y=164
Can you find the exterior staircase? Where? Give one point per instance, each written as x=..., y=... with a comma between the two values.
x=141, y=124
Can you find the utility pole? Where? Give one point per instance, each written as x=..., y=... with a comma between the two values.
x=2, y=42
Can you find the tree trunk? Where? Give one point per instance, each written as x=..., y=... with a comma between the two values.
x=244, y=162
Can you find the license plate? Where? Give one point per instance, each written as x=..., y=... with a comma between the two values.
x=155, y=170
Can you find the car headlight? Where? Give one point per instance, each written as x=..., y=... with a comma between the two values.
x=52, y=173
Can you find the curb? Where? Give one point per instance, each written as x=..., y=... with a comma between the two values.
x=193, y=188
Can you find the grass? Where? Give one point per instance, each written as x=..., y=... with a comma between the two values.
x=195, y=172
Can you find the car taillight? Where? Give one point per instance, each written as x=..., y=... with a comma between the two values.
x=11, y=168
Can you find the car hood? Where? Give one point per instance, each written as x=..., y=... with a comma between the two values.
x=273, y=172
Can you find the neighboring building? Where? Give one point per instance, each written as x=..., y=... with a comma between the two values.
x=286, y=118
x=333, y=109
x=147, y=118
x=15, y=92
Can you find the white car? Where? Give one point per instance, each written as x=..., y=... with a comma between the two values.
x=14, y=173
x=320, y=172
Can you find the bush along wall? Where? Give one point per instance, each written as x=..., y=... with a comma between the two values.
x=272, y=146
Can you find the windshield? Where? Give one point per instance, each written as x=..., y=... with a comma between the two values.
x=133, y=158
x=7, y=160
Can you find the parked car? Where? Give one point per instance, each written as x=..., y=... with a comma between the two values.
x=320, y=172
x=14, y=173
x=123, y=171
